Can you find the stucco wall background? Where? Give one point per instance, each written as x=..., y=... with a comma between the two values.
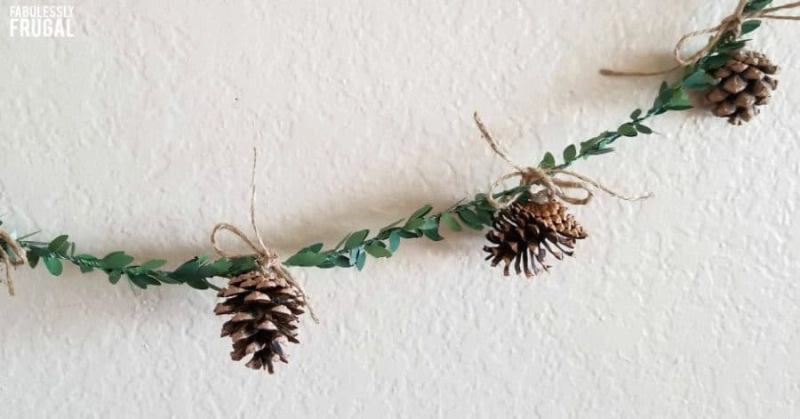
x=137, y=135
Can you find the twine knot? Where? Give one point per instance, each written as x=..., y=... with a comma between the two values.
x=266, y=258
x=16, y=258
x=552, y=187
x=730, y=24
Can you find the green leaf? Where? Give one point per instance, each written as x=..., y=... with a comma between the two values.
x=433, y=235
x=198, y=283
x=58, y=243
x=469, y=218
x=636, y=114
x=627, y=130
x=361, y=259
x=116, y=260
x=53, y=265
x=450, y=222
x=85, y=269
x=377, y=251
x=356, y=239
x=33, y=259
x=429, y=224
x=699, y=80
x=756, y=5
x=644, y=129
x=394, y=241
x=602, y=151
x=713, y=62
x=342, y=261
x=421, y=212
x=664, y=96
x=152, y=264
x=731, y=46
x=413, y=224
x=314, y=248
x=305, y=259
x=114, y=276
x=570, y=153
x=750, y=26
x=548, y=162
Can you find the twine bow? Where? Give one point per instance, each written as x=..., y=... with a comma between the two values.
x=266, y=258
x=732, y=23
x=18, y=258
x=552, y=187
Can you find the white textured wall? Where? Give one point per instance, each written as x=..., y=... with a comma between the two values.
x=136, y=134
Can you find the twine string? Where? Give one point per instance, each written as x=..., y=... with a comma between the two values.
x=551, y=186
x=732, y=23
x=19, y=258
x=266, y=258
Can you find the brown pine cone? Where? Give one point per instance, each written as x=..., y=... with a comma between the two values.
x=523, y=234
x=744, y=83
x=265, y=314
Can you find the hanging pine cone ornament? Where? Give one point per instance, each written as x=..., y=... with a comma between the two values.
x=744, y=84
x=265, y=309
x=523, y=234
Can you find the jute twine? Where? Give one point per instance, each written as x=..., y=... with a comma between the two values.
x=266, y=258
x=732, y=23
x=551, y=186
x=18, y=260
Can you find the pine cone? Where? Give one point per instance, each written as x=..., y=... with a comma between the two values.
x=265, y=313
x=524, y=233
x=744, y=84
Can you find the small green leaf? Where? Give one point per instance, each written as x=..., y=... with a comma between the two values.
x=732, y=46
x=636, y=114
x=356, y=239
x=314, y=248
x=421, y=212
x=305, y=259
x=152, y=264
x=377, y=251
x=361, y=259
x=548, y=162
x=627, y=130
x=750, y=26
x=756, y=5
x=433, y=235
x=713, y=62
x=394, y=241
x=114, y=276
x=429, y=224
x=644, y=129
x=116, y=260
x=469, y=218
x=663, y=88
x=58, y=243
x=450, y=222
x=602, y=151
x=53, y=265
x=342, y=261
x=414, y=224
x=198, y=283
x=570, y=153
x=86, y=269
x=699, y=80
x=33, y=259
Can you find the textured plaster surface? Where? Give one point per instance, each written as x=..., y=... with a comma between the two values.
x=136, y=134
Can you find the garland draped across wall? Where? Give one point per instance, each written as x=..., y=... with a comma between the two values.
x=527, y=224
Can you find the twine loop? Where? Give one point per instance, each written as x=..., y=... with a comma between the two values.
x=266, y=258
x=552, y=187
x=732, y=23
x=17, y=258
